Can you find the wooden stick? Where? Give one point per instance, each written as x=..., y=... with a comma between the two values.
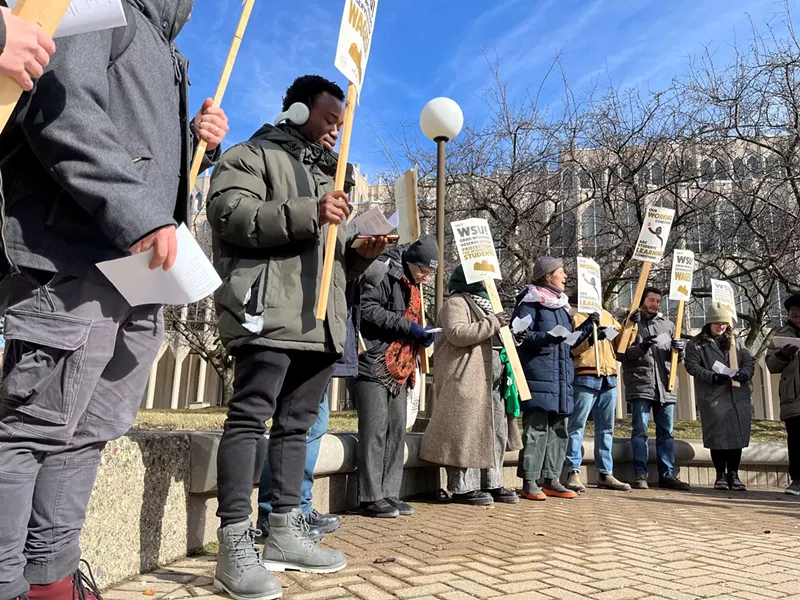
x=509, y=344
x=627, y=329
x=424, y=356
x=333, y=230
x=200, y=153
x=734, y=361
x=47, y=14
x=596, y=349
x=673, y=372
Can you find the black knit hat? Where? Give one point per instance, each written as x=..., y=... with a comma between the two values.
x=423, y=252
x=793, y=300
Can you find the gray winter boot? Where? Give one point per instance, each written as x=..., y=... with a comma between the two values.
x=240, y=572
x=288, y=548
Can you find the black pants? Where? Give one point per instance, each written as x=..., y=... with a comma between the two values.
x=381, y=439
x=285, y=386
x=793, y=442
x=726, y=461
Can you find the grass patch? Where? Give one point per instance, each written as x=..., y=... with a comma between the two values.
x=212, y=419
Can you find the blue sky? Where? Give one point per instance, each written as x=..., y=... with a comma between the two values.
x=428, y=48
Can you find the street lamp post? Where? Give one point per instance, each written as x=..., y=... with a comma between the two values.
x=441, y=121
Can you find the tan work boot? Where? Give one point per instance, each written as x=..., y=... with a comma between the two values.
x=609, y=482
x=641, y=483
x=574, y=482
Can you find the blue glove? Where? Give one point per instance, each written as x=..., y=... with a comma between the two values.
x=421, y=335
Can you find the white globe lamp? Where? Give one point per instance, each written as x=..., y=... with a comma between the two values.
x=441, y=119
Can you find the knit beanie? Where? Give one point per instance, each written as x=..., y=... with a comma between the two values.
x=544, y=266
x=717, y=314
x=791, y=301
x=424, y=252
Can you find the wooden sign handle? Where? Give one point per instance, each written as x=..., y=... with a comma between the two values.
x=627, y=329
x=596, y=349
x=509, y=344
x=333, y=230
x=673, y=372
x=733, y=359
x=47, y=14
x=200, y=152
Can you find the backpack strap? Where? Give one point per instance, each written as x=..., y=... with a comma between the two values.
x=122, y=37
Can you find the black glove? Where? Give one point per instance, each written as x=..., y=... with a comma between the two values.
x=679, y=345
x=601, y=334
x=553, y=340
x=720, y=379
x=648, y=343
x=787, y=352
x=520, y=337
x=741, y=377
x=636, y=317
x=590, y=322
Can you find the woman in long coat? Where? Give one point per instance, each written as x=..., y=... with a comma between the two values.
x=470, y=429
x=725, y=411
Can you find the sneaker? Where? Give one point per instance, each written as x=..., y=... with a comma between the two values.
x=240, y=572
x=735, y=483
x=640, y=483
x=405, y=510
x=474, y=498
x=321, y=522
x=794, y=488
x=315, y=534
x=531, y=491
x=504, y=495
x=722, y=482
x=379, y=510
x=574, y=482
x=609, y=482
x=75, y=586
x=289, y=549
x=673, y=483
x=553, y=488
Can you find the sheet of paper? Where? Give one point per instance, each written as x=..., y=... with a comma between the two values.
x=373, y=222
x=663, y=341
x=435, y=330
x=610, y=333
x=84, y=16
x=192, y=278
x=395, y=220
x=562, y=332
x=723, y=370
x=780, y=342
x=519, y=325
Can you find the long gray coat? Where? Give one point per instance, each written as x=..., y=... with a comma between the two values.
x=725, y=411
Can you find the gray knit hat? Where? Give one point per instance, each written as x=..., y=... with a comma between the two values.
x=716, y=313
x=545, y=265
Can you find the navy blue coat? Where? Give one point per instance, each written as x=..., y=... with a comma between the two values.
x=548, y=368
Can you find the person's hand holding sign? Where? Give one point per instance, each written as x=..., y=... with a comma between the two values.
x=26, y=52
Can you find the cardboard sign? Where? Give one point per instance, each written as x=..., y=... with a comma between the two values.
x=654, y=234
x=722, y=294
x=476, y=250
x=355, y=40
x=405, y=201
x=680, y=287
x=590, y=289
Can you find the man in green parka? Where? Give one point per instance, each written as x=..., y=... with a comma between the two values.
x=269, y=201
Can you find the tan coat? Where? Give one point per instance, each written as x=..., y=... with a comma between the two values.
x=583, y=355
x=461, y=430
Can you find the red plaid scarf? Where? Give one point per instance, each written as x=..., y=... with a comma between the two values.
x=401, y=355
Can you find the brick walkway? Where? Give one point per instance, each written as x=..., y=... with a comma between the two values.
x=604, y=545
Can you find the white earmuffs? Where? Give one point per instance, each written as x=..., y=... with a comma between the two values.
x=298, y=114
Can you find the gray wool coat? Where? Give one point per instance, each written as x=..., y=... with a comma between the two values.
x=725, y=411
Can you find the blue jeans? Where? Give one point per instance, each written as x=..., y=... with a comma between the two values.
x=603, y=405
x=318, y=429
x=664, y=415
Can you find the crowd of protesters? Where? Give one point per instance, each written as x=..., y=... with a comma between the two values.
x=96, y=165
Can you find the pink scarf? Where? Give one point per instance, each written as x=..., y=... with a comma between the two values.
x=546, y=297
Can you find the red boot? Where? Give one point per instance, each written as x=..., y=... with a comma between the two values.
x=75, y=586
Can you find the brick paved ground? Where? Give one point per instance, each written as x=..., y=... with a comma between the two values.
x=604, y=545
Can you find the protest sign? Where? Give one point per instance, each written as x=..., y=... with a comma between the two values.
x=680, y=289
x=478, y=258
x=722, y=294
x=405, y=201
x=590, y=297
x=352, y=52
x=649, y=249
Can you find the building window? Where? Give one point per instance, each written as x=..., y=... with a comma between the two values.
x=739, y=169
x=657, y=174
x=721, y=170
x=706, y=170
x=754, y=165
x=586, y=180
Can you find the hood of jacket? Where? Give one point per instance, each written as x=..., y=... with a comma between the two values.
x=168, y=16
x=295, y=143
